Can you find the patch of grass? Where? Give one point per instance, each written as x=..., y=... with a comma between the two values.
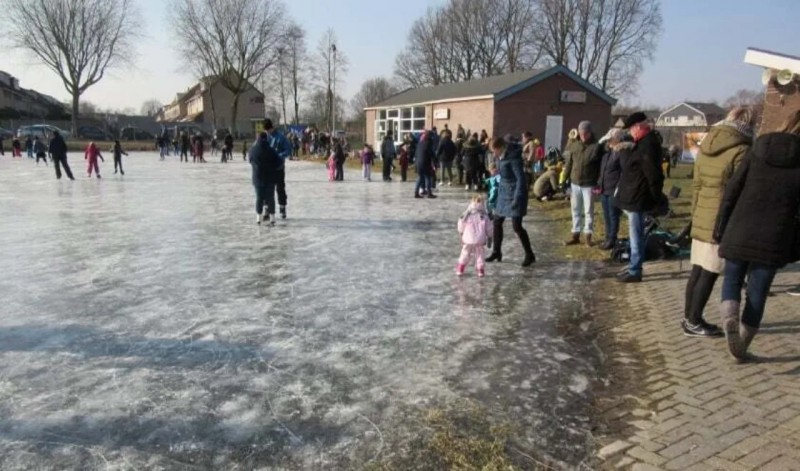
x=459, y=436
x=558, y=212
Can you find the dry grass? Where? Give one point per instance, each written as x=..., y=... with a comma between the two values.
x=558, y=213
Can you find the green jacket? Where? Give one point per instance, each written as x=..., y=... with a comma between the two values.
x=583, y=162
x=721, y=152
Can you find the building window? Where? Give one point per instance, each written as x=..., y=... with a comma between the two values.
x=394, y=113
x=419, y=112
x=382, y=114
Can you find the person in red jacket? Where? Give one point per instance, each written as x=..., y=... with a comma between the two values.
x=92, y=154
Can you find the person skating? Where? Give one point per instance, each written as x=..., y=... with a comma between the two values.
x=512, y=199
x=446, y=153
x=91, y=154
x=185, y=146
x=475, y=228
x=118, y=153
x=16, y=148
x=227, y=151
x=244, y=150
x=284, y=149
x=40, y=150
x=339, y=157
x=58, y=151
x=423, y=160
x=388, y=154
x=198, y=148
x=471, y=161
x=29, y=147
x=265, y=163
x=721, y=152
x=403, y=159
x=367, y=159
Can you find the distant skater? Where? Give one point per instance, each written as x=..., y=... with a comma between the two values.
x=29, y=147
x=475, y=228
x=367, y=158
x=185, y=145
x=16, y=148
x=40, y=150
x=198, y=148
x=265, y=163
x=58, y=150
x=91, y=154
x=118, y=153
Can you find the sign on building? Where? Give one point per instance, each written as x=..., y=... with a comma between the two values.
x=441, y=113
x=573, y=97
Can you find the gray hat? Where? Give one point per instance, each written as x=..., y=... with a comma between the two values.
x=585, y=126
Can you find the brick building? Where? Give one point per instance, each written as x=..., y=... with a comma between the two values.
x=780, y=99
x=547, y=102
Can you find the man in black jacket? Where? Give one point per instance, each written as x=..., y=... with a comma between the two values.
x=266, y=163
x=58, y=150
x=640, y=187
x=446, y=153
x=388, y=153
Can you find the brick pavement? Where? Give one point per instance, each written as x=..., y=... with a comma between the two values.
x=682, y=403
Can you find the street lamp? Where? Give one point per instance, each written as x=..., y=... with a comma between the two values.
x=333, y=94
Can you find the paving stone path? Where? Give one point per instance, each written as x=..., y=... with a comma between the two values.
x=695, y=409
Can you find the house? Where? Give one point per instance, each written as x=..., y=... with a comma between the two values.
x=782, y=86
x=691, y=115
x=208, y=104
x=547, y=102
x=19, y=103
x=618, y=119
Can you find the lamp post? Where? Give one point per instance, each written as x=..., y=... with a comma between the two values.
x=333, y=94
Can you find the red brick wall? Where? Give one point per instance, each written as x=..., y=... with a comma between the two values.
x=473, y=115
x=780, y=101
x=528, y=109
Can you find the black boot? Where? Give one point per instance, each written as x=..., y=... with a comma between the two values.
x=530, y=257
x=495, y=256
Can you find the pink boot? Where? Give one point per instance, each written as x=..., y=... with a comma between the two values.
x=481, y=273
x=460, y=269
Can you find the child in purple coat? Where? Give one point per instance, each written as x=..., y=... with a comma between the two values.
x=367, y=158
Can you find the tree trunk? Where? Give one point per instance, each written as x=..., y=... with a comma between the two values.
x=213, y=111
x=234, y=112
x=76, y=96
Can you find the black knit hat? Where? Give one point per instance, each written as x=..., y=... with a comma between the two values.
x=634, y=118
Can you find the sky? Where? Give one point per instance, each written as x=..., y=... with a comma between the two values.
x=699, y=57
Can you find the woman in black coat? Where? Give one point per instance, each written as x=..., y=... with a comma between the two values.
x=472, y=161
x=758, y=229
x=512, y=198
x=339, y=157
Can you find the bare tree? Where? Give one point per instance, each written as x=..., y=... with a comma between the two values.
x=296, y=47
x=151, y=107
x=78, y=39
x=372, y=91
x=235, y=41
x=603, y=41
x=467, y=39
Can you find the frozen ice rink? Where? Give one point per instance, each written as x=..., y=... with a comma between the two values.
x=147, y=322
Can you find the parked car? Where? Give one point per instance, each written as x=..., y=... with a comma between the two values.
x=132, y=133
x=43, y=131
x=93, y=133
x=6, y=133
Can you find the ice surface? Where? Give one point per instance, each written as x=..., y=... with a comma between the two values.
x=146, y=321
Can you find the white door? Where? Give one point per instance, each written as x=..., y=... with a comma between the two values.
x=554, y=132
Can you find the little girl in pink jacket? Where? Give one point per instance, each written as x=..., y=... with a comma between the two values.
x=92, y=154
x=475, y=228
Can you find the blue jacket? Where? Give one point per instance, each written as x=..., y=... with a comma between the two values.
x=281, y=145
x=512, y=193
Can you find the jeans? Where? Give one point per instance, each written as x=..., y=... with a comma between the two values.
x=265, y=194
x=118, y=164
x=366, y=171
x=387, y=169
x=637, y=241
x=281, y=187
x=424, y=182
x=611, y=216
x=759, y=280
x=582, y=209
